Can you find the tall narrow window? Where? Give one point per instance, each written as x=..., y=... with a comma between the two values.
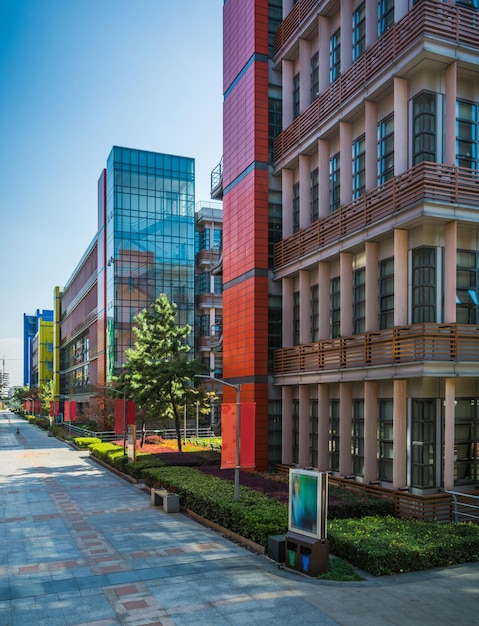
x=296, y=95
x=334, y=435
x=314, y=76
x=335, y=310
x=423, y=443
x=385, y=15
x=334, y=56
x=386, y=444
x=334, y=182
x=386, y=149
x=359, y=301
x=296, y=319
x=466, y=442
x=386, y=293
x=275, y=119
x=470, y=4
x=314, y=313
x=314, y=432
x=467, y=286
x=314, y=180
x=424, y=285
x=359, y=30
x=357, y=439
x=295, y=433
x=295, y=207
x=466, y=134
x=424, y=127
x=359, y=166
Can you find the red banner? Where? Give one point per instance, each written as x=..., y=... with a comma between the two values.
x=119, y=415
x=70, y=411
x=54, y=408
x=228, y=435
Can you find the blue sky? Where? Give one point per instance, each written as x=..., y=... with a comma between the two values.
x=76, y=78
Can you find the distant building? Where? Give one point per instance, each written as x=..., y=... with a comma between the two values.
x=4, y=383
x=37, y=348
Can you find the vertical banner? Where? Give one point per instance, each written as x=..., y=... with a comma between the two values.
x=69, y=411
x=73, y=410
x=120, y=416
x=228, y=435
x=54, y=408
x=66, y=411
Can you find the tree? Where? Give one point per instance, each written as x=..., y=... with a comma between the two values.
x=101, y=408
x=158, y=374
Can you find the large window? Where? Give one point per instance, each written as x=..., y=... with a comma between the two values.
x=424, y=127
x=359, y=166
x=386, y=149
x=467, y=285
x=357, y=442
x=386, y=293
x=334, y=182
x=314, y=432
x=423, y=443
x=385, y=15
x=296, y=95
x=359, y=30
x=275, y=119
x=335, y=308
x=314, y=76
x=334, y=435
x=295, y=207
x=424, y=287
x=335, y=55
x=466, y=134
x=314, y=313
x=359, y=300
x=314, y=180
x=295, y=442
x=466, y=441
x=296, y=318
x=385, y=440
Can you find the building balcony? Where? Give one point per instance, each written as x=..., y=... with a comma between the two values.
x=216, y=190
x=432, y=182
x=427, y=19
x=208, y=257
x=209, y=301
x=438, y=343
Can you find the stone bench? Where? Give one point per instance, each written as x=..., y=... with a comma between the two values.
x=169, y=501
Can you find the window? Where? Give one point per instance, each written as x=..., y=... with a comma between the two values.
x=357, y=438
x=386, y=436
x=335, y=298
x=314, y=313
x=359, y=166
x=466, y=134
x=295, y=207
x=275, y=119
x=218, y=284
x=466, y=441
x=334, y=436
x=314, y=76
x=470, y=4
x=296, y=319
x=423, y=285
x=295, y=437
x=359, y=31
x=467, y=285
x=386, y=149
x=274, y=330
x=334, y=182
x=334, y=56
x=275, y=17
x=314, y=432
x=423, y=443
x=296, y=95
x=386, y=293
x=314, y=181
x=385, y=15
x=424, y=127
x=275, y=222
x=359, y=300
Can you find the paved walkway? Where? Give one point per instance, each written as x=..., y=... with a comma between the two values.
x=79, y=545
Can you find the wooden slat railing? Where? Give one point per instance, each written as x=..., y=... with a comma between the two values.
x=435, y=19
x=392, y=346
x=426, y=181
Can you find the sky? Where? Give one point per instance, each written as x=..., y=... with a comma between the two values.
x=76, y=78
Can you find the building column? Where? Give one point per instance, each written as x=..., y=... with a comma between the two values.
x=287, y=75
x=449, y=431
x=346, y=42
x=371, y=22
x=287, y=180
x=304, y=306
x=304, y=456
x=304, y=74
x=324, y=297
x=371, y=141
x=371, y=411
x=323, y=58
x=401, y=88
x=304, y=191
x=287, y=7
x=346, y=296
x=287, y=425
x=345, y=150
x=323, y=426
x=372, y=289
x=287, y=285
x=323, y=177
x=400, y=9
x=450, y=123
x=400, y=434
x=450, y=276
x=345, y=426
x=400, y=277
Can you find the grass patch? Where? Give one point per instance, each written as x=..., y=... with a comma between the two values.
x=340, y=571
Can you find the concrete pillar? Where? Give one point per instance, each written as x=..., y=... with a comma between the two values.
x=287, y=180
x=304, y=306
x=304, y=459
x=371, y=411
x=323, y=177
x=287, y=285
x=400, y=277
x=450, y=276
x=345, y=149
x=345, y=426
x=449, y=421
x=323, y=59
x=287, y=7
x=346, y=39
x=287, y=74
x=371, y=22
x=323, y=427
x=324, y=297
x=401, y=87
x=372, y=289
x=450, y=123
x=400, y=9
x=400, y=434
x=346, y=296
x=371, y=141
x=287, y=425
x=304, y=74
x=304, y=191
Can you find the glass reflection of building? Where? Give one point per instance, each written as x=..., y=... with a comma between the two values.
x=147, y=243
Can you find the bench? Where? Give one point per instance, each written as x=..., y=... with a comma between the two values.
x=169, y=501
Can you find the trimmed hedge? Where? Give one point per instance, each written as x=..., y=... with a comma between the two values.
x=111, y=454
x=86, y=442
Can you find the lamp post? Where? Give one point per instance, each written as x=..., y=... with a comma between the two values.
x=123, y=393
x=237, y=388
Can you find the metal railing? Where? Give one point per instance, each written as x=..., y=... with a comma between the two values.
x=466, y=506
x=168, y=433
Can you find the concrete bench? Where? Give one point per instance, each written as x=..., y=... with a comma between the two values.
x=169, y=501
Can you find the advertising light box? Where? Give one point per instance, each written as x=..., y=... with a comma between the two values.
x=308, y=503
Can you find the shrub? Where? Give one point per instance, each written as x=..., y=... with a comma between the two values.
x=86, y=442
x=143, y=461
x=110, y=454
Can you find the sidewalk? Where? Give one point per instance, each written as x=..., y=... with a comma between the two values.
x=79, y=545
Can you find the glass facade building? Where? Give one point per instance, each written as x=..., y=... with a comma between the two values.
x=148, y=242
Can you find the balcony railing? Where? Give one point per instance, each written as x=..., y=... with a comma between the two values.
x=208, y=257
x=402, y=344
x=209, y=300
x=217, y=181
x=434, y=19
x=427, y=181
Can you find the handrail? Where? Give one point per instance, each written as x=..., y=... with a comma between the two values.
x=460, y=500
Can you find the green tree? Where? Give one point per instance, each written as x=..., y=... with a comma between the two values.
x=46, y=395
x=158, y=374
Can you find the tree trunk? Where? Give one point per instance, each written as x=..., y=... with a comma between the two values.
x=177, y=426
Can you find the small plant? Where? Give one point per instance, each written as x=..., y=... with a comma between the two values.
x=341, y=571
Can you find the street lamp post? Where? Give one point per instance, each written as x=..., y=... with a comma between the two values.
x=237, y=388
x=123, y=393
